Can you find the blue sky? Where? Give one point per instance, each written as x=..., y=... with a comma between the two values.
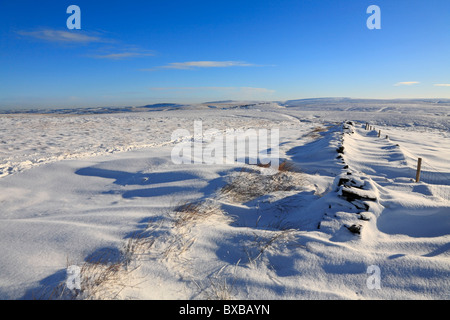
x=142, y=52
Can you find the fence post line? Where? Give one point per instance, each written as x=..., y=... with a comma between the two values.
x=419, y=167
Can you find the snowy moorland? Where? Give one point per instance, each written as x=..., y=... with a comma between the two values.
x=341, y=218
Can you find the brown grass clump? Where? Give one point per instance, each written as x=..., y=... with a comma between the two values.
x=191, y=213
x=185, y=217
x=285, y=166
x=250, y=184
x=101, y=279
x=315, y=133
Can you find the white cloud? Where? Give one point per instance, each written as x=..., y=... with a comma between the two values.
x=406, y=83
x=442, y=85
x=112, y=52
x=123, y=55
x=60, y=36
x=203, y=64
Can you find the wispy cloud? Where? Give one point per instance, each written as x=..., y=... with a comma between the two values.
x=122, y=55
x=60, y=36
x=202, y=64
x=442, y=85
x=114, y=50
x=406, y=83
x=206, y=64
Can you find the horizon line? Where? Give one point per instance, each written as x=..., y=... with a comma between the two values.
x=16, y=109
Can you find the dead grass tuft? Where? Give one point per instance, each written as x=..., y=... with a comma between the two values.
x=285, y=166
x=315, y=133
x=267, y=241
x=190, y=213
x=101, y=279
x=185, y=217
x=193, y=212
x=250, y=184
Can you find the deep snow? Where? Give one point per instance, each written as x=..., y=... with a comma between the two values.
x=77, y=186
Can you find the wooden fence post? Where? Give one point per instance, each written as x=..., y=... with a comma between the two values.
x=419, y=167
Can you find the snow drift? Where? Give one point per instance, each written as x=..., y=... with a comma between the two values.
x=100, y=191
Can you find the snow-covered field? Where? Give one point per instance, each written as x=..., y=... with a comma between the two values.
x=101, y=192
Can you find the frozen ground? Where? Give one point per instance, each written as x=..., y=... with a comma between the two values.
x=82, y=188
